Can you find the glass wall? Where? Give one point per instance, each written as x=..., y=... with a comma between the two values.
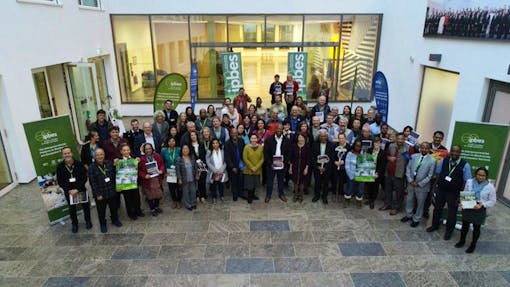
x=43, y=95
x=342, y=52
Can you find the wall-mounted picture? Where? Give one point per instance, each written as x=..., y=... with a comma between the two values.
x=474, y=19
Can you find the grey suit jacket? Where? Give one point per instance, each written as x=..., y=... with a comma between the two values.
x=424, y=173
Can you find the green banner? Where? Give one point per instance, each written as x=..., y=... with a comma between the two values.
x=172, y=87
x=232, y=73
x=365, y=168
x=482, y=144
x=46, y=138
x=297, y=67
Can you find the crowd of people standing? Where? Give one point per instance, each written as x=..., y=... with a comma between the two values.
x=245, y=144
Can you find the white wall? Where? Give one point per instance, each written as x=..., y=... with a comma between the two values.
x=35, y=35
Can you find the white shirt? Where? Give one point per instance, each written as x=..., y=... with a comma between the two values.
x=149, y=139
x=278, y=145
x=217, y=159
x=323, y=148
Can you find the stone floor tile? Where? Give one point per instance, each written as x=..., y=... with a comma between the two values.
x=406, y=248
x=201, y=266
x=227, y=251
x=182, y=251
x=86, y=252
x=375, y=236
x=7, y=240
x=269, y=225
x=120, y=239
x=103, y=267
x=483, y=262
x=345, y=264
x=275, y=280
x=249, y=237
x=22, y=281
x=291, y=237
x=377, y=280
x=506, y=275
x=163, y=238
x=152, y=267
x=309, y=225
x=361, y=249
x=58, y=267
x=206, y=238
x=297, y=265
x=44, y=252
x=121, y=281
x=228, y=226
x=186, y=280
x=136, y=252
x=16, y=268
x=479, y=279
x=326, y=279
x=11, y=253
x=429, y=279
x=249, y=265
x=316, y=249
x=223, y=280
x=417, y=235
x=70, y=281
x=70, y=239
x=349, y=224
x=492, y=247
x=334, y=236
x=271, y=250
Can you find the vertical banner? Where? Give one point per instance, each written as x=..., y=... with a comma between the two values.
x=46, y=138
x=193, y=83
x=297, y=67
x=172, y=87
x=483, y=145
x=232, y=73
x=380, y=90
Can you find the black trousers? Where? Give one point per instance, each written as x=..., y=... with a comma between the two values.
x=338, y=181
x=72, y=210
x=321, y=184
x=132, y=200
x=428, y=200
x=449, y=198
x=153, y=203
x=175, y=192
x=372, y=190
x=202, y=188
x=111, y=203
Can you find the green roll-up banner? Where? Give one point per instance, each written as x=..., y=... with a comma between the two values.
x=232, y=73
x=172, y=87
x=297, y=67
x=482, y=144
x=46, y=138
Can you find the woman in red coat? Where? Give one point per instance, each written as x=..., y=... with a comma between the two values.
x=150, y=171
x=300, y=155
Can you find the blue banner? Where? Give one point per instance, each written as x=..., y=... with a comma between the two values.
x=193, y=85
x=380, y=90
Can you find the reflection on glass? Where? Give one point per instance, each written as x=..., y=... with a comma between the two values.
x=321, y=72
x=246, y=29
x=286, y=28
x=43, y=95
x=84, y=97
x=210, y=74
x=359, y=47
x=5, y=173
x=134, y=58
x=208, y=28
x=322, y=28
x=171, y=46
x=101, y=81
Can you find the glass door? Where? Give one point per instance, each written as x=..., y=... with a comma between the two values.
x=84, y=96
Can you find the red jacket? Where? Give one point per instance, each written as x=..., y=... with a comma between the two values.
x=289, y=99
x=244, y=100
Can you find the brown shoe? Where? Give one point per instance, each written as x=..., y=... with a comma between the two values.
x=174, y=205
x=283, y=198
x=179, y=205
x=385, y=207
x=394, y=212
x=267, y=199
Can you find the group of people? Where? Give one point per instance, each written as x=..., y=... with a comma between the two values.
x=197, y=156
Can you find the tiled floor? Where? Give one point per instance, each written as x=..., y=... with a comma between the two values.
x=234, y=244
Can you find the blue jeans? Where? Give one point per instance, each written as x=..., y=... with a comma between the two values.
x=280, y=175
x=236, y=184
x=356, y=188
x=216, y=187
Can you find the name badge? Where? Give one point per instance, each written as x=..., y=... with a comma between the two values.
x=72, y=179
x=106, y=179
x=448, y=178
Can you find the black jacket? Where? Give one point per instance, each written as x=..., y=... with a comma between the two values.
x=230, y=153
x=97, y=180
x=270, y=149
x=77, y=171
x=172, y=119
x=330, y=151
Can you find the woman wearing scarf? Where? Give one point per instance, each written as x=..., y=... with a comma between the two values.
x=485, y=197
x=150, y=171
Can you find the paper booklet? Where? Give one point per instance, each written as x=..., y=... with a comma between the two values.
x=278, y=162
x=468, y=199
x=152, y=168
x=412, y=139
x=80, y=197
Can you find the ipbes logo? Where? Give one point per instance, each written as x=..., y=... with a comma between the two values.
x=45, y=135
x=472, y=139
x=299, y=70
x=234, y=73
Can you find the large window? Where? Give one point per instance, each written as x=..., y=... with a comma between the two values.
x=342, y=52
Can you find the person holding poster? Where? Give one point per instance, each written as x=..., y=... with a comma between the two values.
x=290, y=88
x=321, y=109
x=419, y=172
x=169, y=155
x=322, y=164
x=71, y=177
x=485, y=195
x=275, y=88
x=379, y=157
x=186, y=168
x=453, y=172
x=126, y=181
x=353, y=186
x=150, y=171
x=276, y=155
x=101, y=175
x=338, y=172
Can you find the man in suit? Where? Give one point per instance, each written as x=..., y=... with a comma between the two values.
x=314, y=129
x=321, y=172
x=171, y=115
x=438, y=152
x=419, y=172
x=132, y=134
x=148, y=137
x=233, y=158
x=453, y=172
x=276, y=145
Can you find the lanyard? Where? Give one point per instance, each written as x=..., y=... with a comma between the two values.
x=70, y=170
x=450, y=169
x=103, y=171
x=202, y=124
x=172, y=158
x=206, y=145
x=419, y=163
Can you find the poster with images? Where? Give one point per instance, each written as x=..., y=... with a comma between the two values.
x=80, y=197
x=152, y=168
x=468, y=199
x=412, y=139
x=278, y=162
x=126, y=177
x=365, y=168
x=470, y=19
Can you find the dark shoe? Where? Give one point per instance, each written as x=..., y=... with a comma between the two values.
x=315, y=199
x=372, y=206
x=104, y=229
x=460, y=244
x=359, y=204
x=394, y=212
x=346, y=202
x=385, y=207
x=426, y=215
x=325, y=200
x=405, y=219
x=471, y=248
x=283, y=198
x=255, y=197
x=189, y=208
x=88, y=225
x=133, y=217
x=117, y=223
x=415, y=223
x=194, y=207
x=154, y=212
x=432, y=228
x=140, y=214
x=74, y=229
x=159, y=210
x=367, y=202
x=447, y=235
x=267, y=199
x=250, y=200
x=234, y=199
